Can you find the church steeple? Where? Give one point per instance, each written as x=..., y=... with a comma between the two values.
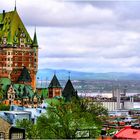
x=35, y=43
x=15, y=6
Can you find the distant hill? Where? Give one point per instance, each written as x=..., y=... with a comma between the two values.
x=75, y=75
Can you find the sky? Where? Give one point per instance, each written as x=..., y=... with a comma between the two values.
x=83, y=35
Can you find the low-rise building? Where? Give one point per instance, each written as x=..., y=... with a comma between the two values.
x=34, y=112
x=13, y=116
x=7, y=131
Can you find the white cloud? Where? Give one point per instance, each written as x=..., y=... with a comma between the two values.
x=83, y=36
x=61, y=13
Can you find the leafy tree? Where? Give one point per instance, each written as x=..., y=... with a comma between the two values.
x=65, y=119
x=4, y=107
x=30, y=128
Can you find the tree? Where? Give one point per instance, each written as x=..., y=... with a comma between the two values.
x=4, y=107
x=65, y=119
x=30, y=128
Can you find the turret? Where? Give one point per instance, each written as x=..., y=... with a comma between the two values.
x=69, y=92
x=54, y=88
x=35, y=43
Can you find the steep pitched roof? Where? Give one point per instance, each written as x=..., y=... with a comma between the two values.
x=24, y=76
x=69, y=91
x=54, y=83
x=35, y=42
x=11, y=27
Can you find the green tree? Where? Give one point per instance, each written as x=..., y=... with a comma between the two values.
x=30, y=128
x=4, y=107
x=65, y=119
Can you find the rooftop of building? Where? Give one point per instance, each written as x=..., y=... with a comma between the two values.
x=54, y=83
x=16, y=112
x=12, y=28
x=128, y=132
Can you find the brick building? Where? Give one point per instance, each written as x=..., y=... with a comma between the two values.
x=54, y=88
x=17, y=49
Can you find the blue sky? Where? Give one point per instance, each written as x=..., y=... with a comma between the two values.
x=91, y=36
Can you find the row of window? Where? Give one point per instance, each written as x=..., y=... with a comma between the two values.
x=17, y=59
x=18, y=53
x=21, y=53
x=16, y=65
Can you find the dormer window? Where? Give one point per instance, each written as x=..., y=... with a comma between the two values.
x=23, y=35
x=4, y=40
x=22, y=44
x=21, y=40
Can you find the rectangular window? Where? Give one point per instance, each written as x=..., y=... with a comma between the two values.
x=17, y=136
x=2, y=135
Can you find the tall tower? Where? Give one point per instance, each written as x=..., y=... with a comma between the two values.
x=54, y=88
x=17, y=49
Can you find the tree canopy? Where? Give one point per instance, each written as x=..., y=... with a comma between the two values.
x=4, y=107
x=66, y=120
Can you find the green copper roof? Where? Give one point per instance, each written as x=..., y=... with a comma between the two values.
x=54, y=83
x=23, y=91
x=5, y=82
x=12, y=27
x=9, y=41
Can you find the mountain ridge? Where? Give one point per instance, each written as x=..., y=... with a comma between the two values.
x=62, y=74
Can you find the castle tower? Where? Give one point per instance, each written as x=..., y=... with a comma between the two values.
x=54, y=88
x=17, y=49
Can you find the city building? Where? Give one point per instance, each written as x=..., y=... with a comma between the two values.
x=33, y=112
x=14, y=116
x=54, y=88
x=17, y=50
x=18, y=94
x=7, y=131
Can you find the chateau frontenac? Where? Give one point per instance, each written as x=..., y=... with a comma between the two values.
x=17, y=50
